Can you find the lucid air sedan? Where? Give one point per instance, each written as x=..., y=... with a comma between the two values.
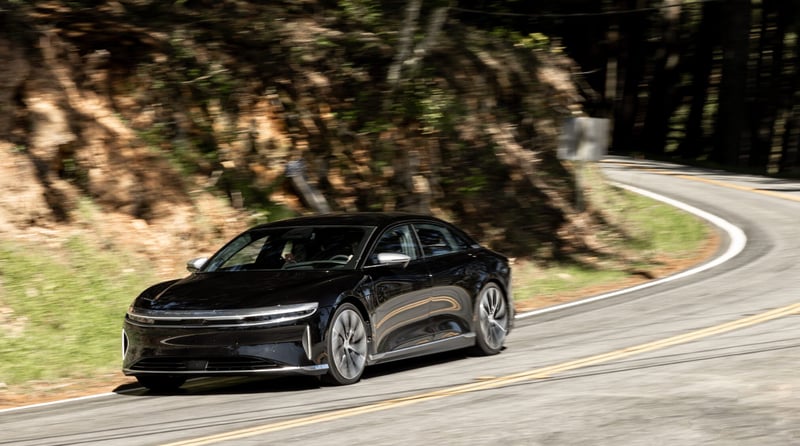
x=324, y=295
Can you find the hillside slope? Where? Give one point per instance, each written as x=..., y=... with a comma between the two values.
x=175, y=123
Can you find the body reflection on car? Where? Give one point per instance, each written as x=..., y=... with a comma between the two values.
x=324, y=295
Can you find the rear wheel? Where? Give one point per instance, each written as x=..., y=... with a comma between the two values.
x=491, y=320
x=346, y=346
x=161, y=383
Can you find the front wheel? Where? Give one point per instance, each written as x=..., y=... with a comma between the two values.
x=491, y=320
x=346, y=346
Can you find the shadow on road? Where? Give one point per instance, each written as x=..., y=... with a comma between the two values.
x=268, y=384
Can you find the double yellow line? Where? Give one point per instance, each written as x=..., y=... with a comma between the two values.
x=698, y=179
x=492, y=383
x=769, y=193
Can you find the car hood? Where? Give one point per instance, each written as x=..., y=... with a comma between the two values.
x=250, y=289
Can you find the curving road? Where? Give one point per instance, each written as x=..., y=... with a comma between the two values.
x=707, y=358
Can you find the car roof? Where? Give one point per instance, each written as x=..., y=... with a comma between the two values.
x=379, y=219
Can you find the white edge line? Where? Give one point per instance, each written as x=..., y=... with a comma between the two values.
x=738, y=240
x=52, y=403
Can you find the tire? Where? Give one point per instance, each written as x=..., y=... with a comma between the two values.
x=161, y=383
x=346, y=346
x=491, y=320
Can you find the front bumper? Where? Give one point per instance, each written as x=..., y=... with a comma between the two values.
x=215, y=351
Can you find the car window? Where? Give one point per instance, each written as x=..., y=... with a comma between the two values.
x=396, y=240
x=301, y=247
x=437, y=240
x=240, y=251
x=248, y=254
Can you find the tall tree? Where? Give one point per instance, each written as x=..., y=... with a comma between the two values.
x=789, y=117
x=731, y=127
x=702, y=62
x=632, y=52
x=768, y=82
x=665, y=79
x=405, y=66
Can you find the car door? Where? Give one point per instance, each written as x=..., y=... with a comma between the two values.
x=400, y=293
x=453, y=275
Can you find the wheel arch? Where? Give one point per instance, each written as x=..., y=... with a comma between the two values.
x=362, y=310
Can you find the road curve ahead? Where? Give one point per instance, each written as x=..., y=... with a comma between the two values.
x=709, y=358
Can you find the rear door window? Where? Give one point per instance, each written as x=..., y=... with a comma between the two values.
x=437, y=240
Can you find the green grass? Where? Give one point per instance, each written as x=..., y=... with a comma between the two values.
x=532, y=280
x=649, y=233
x=647, y=226
x=62, y=308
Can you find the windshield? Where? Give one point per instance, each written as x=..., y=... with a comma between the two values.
x=298, y=247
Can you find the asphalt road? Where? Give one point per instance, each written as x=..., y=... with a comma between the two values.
x=708, y=358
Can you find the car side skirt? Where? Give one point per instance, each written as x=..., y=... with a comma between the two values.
x=319, y=369
x=454, y=343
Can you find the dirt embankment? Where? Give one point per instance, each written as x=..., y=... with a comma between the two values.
x=177, y=121
x=71, y=165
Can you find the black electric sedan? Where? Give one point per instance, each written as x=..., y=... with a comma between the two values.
x=324, y=295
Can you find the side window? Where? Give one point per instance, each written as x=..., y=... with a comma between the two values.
x=396, y=240
x=438, y=240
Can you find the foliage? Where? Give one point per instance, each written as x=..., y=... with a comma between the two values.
x=365, y=12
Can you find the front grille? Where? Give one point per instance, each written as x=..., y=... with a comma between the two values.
x=237, y=364
x=161, y=364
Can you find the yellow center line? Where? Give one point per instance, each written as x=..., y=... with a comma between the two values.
x=492, y=383
x=729, y=185
x=770, y=193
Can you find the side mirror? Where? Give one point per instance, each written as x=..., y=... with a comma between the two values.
x=195, y=265
x=393, y=258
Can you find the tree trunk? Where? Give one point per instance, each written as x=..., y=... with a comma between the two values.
x=694, y=140
x=632, y=53
x=405, y=44
x=789, y=161
x=663, y=85
x=405, y=66
x=731, y=126
x=769, y=87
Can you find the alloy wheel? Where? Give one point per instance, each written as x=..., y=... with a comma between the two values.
x=493, y=318
x=348, y=345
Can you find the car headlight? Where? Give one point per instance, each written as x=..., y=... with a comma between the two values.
x=278, y=314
